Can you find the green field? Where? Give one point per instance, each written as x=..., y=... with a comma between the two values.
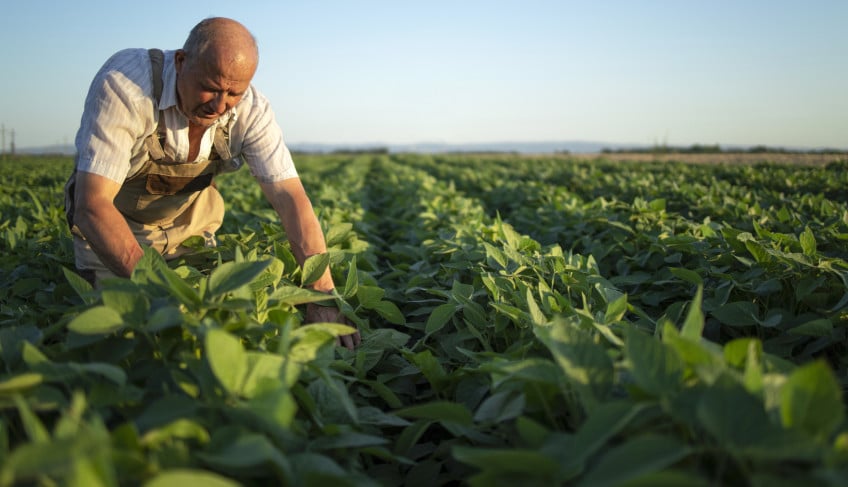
x=526, y=321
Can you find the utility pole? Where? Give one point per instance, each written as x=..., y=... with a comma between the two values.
x=12, y=145
x=3, y=140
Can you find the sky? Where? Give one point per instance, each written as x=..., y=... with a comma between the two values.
x=676, y=72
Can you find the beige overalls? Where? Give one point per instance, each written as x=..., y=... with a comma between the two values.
x=166, y=201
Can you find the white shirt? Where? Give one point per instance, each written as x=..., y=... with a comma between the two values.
x=120, y=113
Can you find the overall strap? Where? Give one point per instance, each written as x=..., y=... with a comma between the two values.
x=157, y=65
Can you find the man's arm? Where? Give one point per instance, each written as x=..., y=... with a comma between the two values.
x=102, y=224
x=304, y=232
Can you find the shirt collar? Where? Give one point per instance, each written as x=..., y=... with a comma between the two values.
x=169, y=83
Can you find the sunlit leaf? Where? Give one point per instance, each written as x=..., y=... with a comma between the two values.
x=232, y=275
x=227, y=358
x=314, y=267
x=811, y=400
x=99, y=320
x=186, y=477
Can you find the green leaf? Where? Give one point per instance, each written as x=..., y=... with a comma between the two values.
x=817, y=328
x=531, y=432
x=262, y=367
x=270, y=277
x=673, y=478
x=283, y=252
x=346, y=440
x=390, y=312
x=164, y=318
x=165, y=410
x=604, y=422
x=693, y=326
x=36, y=432
x=132, y=305
x=528, y=463
x=352, y=281
x=293, y=295
x=319, y=470
x=755, y=248
x=584, y=362
x=430, y=366
x=501, y=406
x=243, y=450
x=635, y=457
x=88, y=472
x=333, y=400
x=688, y=275
x=109, y=371
x=230, y=276
x=99, y=320
x=736, y=351
x=309, y=342
x=180, y=289
x=13, y=337
x=808, y=242
x=616, y=310
x=227, y=358
x=20, y=382
x=181, y=428
x=536, y=314
x=738, y=313
x=734, y=417
x=80, y=285
x=338, y=233
x=332, y=329
x=494, y=257
x=441, y=411
x=655, y=366
x=369, y=296
x=811, y=400
x=275, y=405
x=188, y=477
x=385, y=393
x=439, y=317
x=313, y=268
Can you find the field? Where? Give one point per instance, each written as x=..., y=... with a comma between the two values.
x=544, y=320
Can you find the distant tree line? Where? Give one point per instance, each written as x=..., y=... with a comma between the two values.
x=716, y=149
x=362, y=150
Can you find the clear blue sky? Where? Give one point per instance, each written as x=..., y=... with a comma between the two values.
x=677, y=71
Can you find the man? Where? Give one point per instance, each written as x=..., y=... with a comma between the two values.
x=156, y=128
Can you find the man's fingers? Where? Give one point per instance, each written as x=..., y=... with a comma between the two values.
x=349, y=341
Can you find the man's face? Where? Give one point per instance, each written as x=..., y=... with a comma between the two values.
x=206, y=89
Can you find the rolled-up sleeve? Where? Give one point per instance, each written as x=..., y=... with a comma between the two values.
x=263, y=147
x=115, y=116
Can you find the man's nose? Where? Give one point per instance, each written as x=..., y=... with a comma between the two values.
x=220, y=103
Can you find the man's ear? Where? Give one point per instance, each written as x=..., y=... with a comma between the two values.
x=179, y=59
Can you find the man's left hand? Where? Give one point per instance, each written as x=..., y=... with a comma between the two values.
x=330, y=314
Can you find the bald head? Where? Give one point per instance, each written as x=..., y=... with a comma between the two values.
x=222, y=41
